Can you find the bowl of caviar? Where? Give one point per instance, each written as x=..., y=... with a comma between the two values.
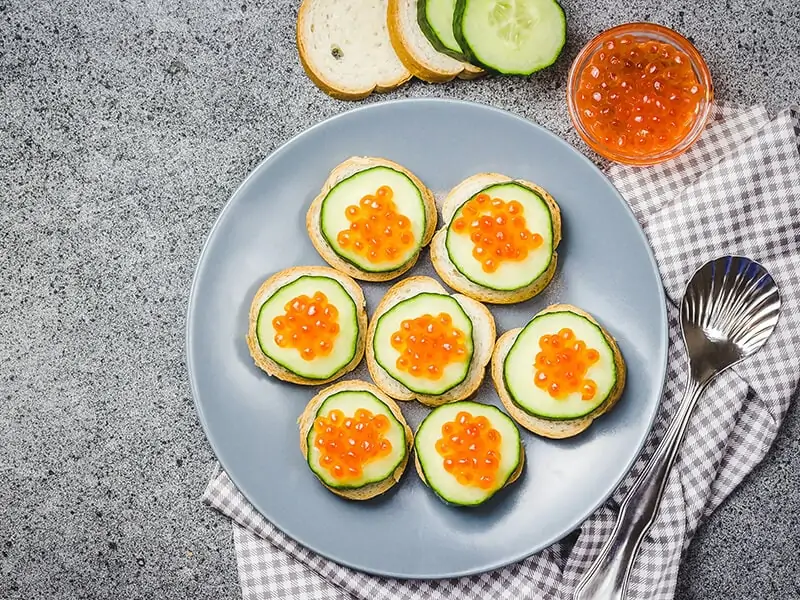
x=639, y=94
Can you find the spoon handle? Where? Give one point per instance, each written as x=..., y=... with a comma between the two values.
x=607, y=578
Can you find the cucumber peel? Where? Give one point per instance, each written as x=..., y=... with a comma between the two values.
x=435, y=18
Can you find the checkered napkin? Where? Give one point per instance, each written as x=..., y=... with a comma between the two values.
x=736, y=192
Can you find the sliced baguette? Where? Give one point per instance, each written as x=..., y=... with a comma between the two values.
x=344, y=47
x=306, y=421
x=555, y=429
x=483, y=337
x=416, y=52
x=273, y=284
x=453, y=277
x=349, y=167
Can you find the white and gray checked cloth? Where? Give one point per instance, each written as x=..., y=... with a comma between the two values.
x=737, y=191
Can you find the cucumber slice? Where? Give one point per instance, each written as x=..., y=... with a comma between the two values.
x=432, y=464
x=435, y=18
x=407, y=198
x=344, y=347
x=519, y=370
x=510, y=275
x=349, y=402
x=514, y=37
x=389, y=323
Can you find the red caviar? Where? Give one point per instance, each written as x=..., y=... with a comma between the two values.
x=428, y=344
x=309, y=324
x=562, y=364
x=640, y=97
x=498, y=231
x=377, y=232
x=470, y=448
x=347, y=444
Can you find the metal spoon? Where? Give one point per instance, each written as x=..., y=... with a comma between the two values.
x=729, y=309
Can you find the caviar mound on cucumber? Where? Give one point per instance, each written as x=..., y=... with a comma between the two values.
x=428, y=345
x=355, y=439
x=371, y=219
x=307, y=325
x=499, y=238
x=559, y=373
x=466, y=452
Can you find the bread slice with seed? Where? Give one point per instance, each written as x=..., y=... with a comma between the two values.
x=306, y=421
x=454, y=278
x=416, y=52
x=285, y=277
x=483, y=334
x=345, y=50
x=346, y=169
x=555, y=429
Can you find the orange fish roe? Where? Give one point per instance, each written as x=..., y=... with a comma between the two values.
x=428, y=344
x=498, y=231
x=470, y=448
x=640, y=97
x=347, y=444
x=377, y=231
x=309, y=324
x=562, y=364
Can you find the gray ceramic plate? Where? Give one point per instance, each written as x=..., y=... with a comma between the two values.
x=605, y=267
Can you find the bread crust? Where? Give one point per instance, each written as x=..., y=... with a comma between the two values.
x=549, y=428
x=447, y=270
x=282, y=278
x=340, y=93
x=349, y=167
x=306, y=421
x=413, y=61
x=482, y=348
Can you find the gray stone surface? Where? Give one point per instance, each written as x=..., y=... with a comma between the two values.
x=124, y=128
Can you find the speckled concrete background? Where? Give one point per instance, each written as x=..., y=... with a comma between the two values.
x=124, y=128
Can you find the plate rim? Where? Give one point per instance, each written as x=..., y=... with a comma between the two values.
x=381, y=105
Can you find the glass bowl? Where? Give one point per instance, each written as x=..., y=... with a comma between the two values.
x=641, y=32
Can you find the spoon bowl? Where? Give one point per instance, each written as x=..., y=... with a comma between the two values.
x=728, y=312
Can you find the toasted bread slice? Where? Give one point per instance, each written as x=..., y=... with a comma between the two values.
x=555, y=429
x=279, y=280
x=417, y=53
x=344, y=47
x=306, y=421
x=344, y=170
x=483, y=334
x=454, y=278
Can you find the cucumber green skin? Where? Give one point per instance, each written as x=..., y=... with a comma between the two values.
x=350, y=487
x=428, y=31
x=335, y=245
x=441, y=495
x=458, y=18
x=455, y=263
x=289, y=367
x=552, y=417
x=426, y=393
